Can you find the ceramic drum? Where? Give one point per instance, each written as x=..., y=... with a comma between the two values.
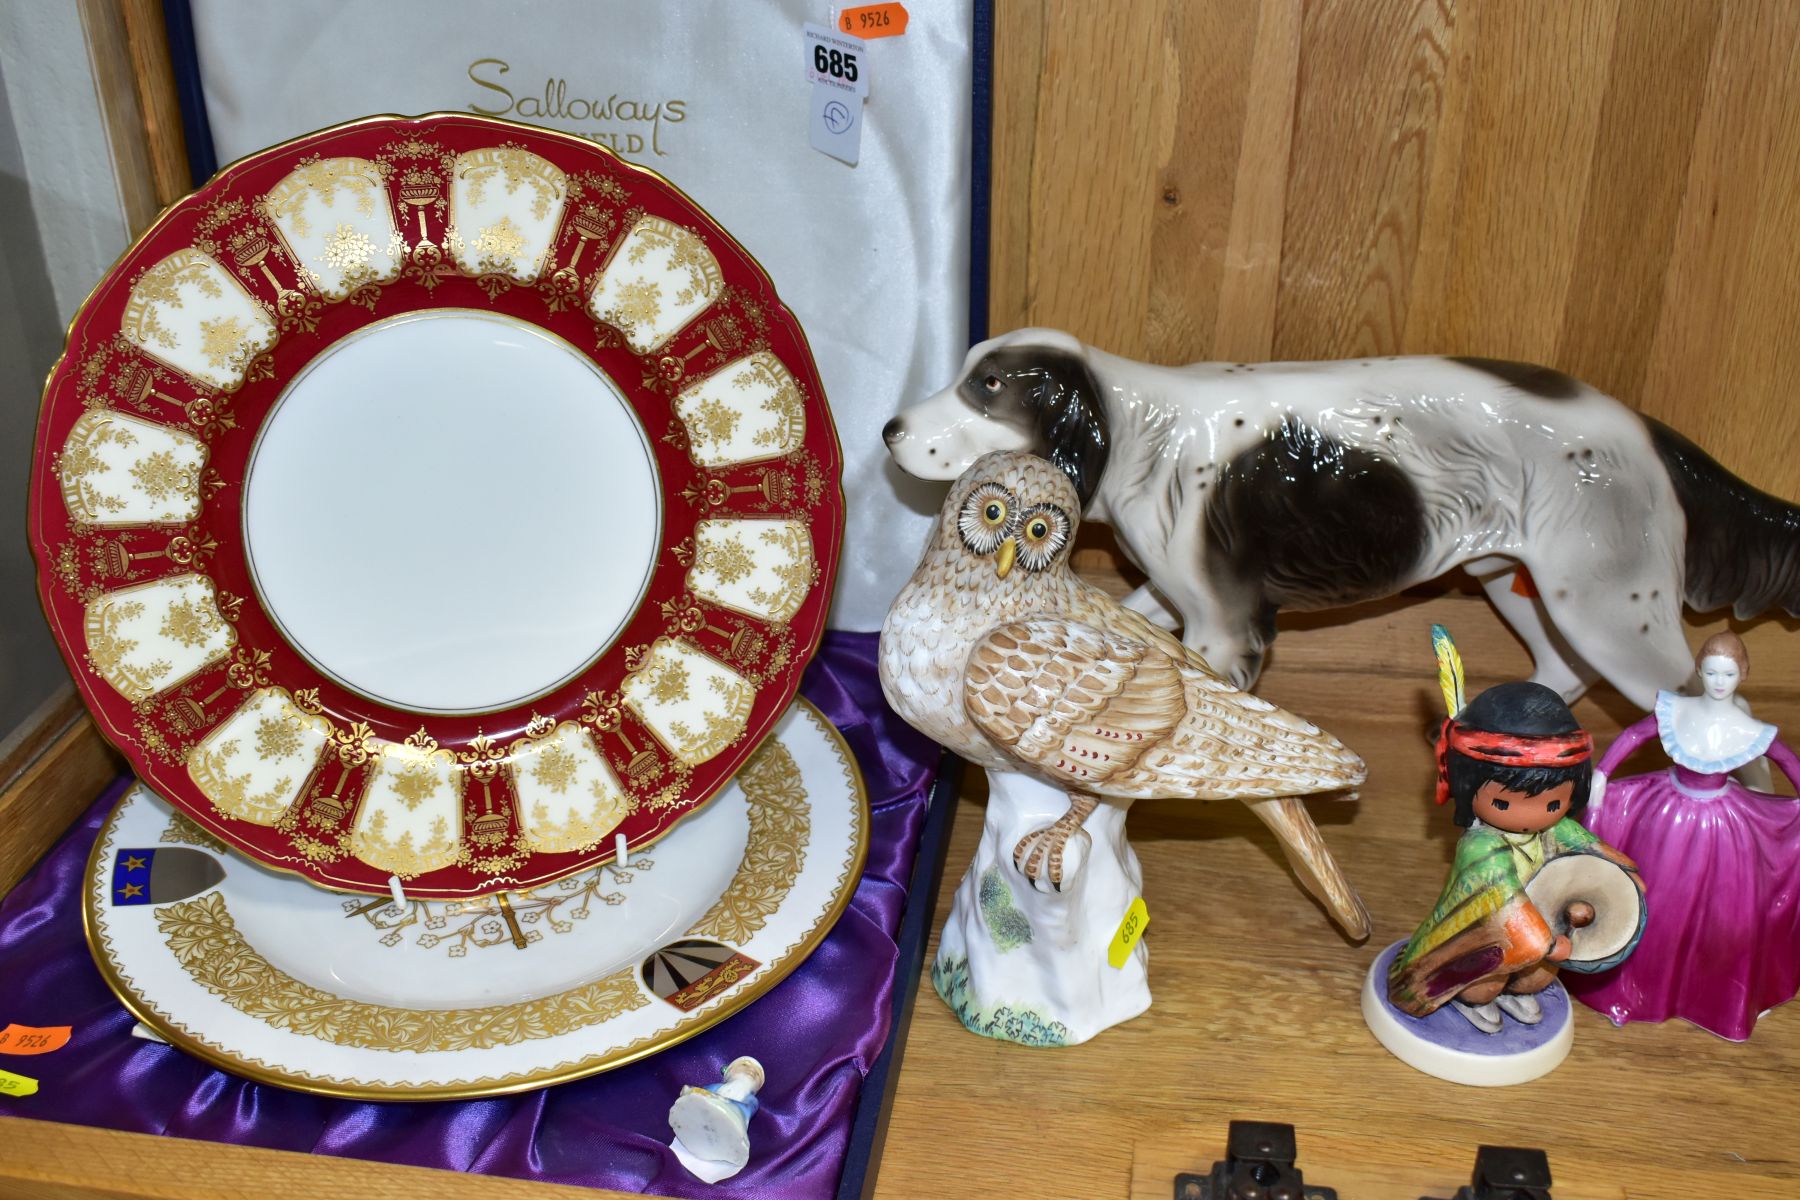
x=1609, y=930
x=437, y=498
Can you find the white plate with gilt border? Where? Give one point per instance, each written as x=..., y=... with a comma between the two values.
x=271, y=978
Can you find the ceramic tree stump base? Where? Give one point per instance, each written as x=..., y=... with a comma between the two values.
x=1029, y=964
x=1445, y=1045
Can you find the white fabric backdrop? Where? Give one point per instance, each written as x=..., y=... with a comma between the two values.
x=873, y=258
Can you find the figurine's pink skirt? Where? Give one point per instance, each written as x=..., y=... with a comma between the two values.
x=1721, y=871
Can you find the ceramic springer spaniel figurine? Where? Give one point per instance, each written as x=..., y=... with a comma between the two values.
x=1076, y=706
x=1241, y=489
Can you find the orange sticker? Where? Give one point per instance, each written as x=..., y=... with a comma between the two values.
x=871, y=21
x=23, y=1039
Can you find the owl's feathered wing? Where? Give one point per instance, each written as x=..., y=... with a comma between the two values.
x=1103, y=712
x=1106, y=713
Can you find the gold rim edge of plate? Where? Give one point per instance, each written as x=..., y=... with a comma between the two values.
x=120, y=740
x=779, y=969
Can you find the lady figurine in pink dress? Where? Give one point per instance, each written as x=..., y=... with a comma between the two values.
x=1722, y=943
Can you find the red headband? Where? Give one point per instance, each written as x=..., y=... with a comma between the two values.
x=1512, y=749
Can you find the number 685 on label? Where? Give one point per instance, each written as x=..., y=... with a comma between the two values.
x=837, y=60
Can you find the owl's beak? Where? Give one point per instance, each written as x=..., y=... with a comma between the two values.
x=1003, y=557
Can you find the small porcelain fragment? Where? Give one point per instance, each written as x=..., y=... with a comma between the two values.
x=712, y=1123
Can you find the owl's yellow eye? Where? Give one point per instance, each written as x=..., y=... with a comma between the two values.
x=986, y=518
x=1044, y=531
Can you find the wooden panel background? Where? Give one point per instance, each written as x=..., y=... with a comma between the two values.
x=1606, y=186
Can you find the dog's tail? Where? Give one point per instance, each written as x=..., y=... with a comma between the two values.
x=1743, y=545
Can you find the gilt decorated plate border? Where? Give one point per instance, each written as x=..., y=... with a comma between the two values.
x=185, y=969
x=181, y=354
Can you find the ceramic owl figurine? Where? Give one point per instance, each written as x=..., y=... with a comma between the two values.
x=1076, y=706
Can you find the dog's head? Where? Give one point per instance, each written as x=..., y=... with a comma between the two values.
x=1028, y=390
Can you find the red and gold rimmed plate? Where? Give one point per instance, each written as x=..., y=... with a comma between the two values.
x=439, y=498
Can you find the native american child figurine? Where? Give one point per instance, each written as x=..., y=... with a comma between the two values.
x=1723, y=942
x=1075, y=706
x=1530, y=893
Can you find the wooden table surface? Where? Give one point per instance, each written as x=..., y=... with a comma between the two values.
x=1255, y=1013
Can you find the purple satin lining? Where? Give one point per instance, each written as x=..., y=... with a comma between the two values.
x=816, y=1033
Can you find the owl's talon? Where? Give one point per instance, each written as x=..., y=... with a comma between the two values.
x=1028, y=856
x=1052, y=856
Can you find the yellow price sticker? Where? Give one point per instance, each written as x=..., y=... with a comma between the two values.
x=1130, y=930
x=16, y=1085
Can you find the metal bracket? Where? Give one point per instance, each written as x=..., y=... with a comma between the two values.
x=1259, y=1165
x=1507, y=1173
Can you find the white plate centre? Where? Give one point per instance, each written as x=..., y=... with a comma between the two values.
x=451, y=512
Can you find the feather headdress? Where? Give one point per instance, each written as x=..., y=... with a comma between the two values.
x=1450, y=670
